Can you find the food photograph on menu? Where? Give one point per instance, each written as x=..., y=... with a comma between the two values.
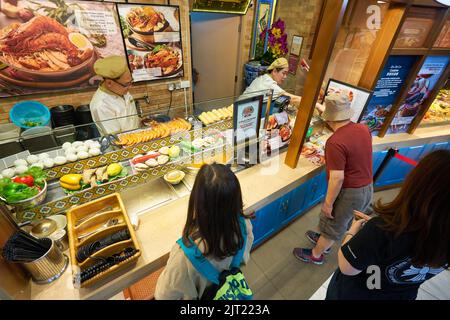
x=153, y=41
x=358, y=97
x=50, y=45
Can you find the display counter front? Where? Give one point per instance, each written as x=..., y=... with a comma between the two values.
x=276, y=194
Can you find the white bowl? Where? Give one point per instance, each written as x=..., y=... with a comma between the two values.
x=177, y=180
x=61, y=221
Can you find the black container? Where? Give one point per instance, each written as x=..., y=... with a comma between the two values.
x=9, y=148
x=63, y=115
x=83, y=114
x=86, y=128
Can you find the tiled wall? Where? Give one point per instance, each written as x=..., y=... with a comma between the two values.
x=300, y=17
x=156, y=90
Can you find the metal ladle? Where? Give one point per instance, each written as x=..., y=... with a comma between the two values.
x=44, y=228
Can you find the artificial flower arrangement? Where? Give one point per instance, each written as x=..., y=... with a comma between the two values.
x=277, y=45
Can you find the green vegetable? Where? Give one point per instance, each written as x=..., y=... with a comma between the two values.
x=38, y=174
x=125, y=28
x=14, y=192
x=122, y=174
x=158, y=48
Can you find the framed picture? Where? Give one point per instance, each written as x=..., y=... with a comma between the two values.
x=154, y=51
x=358, y=97
x=293, y=63
x=87, y=31
x=296, y=46
x=247, y=118
x=221, y=6
x=264, y=14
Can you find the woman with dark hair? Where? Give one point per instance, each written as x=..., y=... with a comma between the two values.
x=408, y=243
x=214, y=217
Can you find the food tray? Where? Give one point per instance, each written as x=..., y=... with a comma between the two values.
x=106, y=208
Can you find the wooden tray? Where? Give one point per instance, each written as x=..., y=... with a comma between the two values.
x=114, y=209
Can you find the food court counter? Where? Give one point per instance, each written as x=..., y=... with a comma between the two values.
x=159, y=228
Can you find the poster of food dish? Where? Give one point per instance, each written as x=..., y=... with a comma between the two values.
x=419, y=91
x=388, y=86
x=358, y=97
x=279, y=129
x=152, y=39
x=439, y=110
x=51, y=45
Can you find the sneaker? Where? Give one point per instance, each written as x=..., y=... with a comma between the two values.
x=306, y=255
x=314, y=237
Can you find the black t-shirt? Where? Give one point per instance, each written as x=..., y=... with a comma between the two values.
x=374, y=246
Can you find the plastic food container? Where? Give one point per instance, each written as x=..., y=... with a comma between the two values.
x=29, y=114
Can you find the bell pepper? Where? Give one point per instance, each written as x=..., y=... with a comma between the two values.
x=27, y=179
x=71, y=181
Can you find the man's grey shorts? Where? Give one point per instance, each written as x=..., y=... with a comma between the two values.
x=349, y=199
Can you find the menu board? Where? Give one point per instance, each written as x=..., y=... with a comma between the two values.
x=388, y=87
x=247, y=118
x=152, y=39
x=47, y=46
x=358, y=97
x=425, y=81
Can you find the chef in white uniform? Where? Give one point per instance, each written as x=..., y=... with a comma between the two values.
x=276, y=74
x=112, y=106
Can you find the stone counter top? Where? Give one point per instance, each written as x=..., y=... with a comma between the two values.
x=161, y=227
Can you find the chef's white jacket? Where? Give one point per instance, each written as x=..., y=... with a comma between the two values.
x=264, y=82
x=113, y=113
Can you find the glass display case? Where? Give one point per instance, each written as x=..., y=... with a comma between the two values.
x=159, y=159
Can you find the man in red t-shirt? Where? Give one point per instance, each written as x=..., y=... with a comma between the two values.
x=348, y=157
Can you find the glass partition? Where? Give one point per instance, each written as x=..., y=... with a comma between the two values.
x=16, y=142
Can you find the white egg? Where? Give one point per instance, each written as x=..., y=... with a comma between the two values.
x=8, y=173
x=94, y=152
x=43, y=156
x=32, y=159
x=48, y=163
x=71, y=157
x=76, y=144
x=87, y=143
x=70, y=150
x=137, y=156
x=66, y=145
x=38, y=164
x=21, y=169
x=95, y=144
x=83, y=155
x=20, y=162
x=82, y=148
x=59, y=160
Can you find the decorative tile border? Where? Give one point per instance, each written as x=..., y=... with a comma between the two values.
x=129, y=152
x=63, y=204
x=114, y=156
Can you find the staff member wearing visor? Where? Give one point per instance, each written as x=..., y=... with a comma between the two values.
x=112, y=106
x=276, y=74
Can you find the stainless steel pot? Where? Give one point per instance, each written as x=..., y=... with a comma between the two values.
x=31, y=202
x=49, y=267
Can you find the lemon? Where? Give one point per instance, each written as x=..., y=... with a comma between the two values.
x=79, y=40
x=174, y=151
x=114, y=169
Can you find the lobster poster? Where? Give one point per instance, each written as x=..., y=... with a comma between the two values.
x=152, y=39
x=51, y=45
